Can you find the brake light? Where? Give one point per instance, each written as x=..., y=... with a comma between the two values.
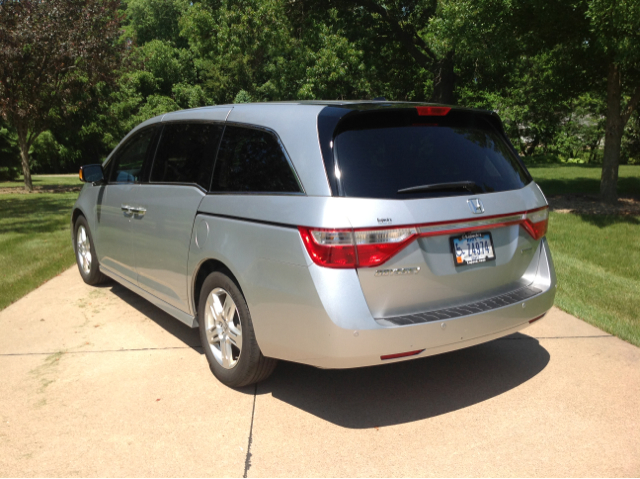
x=374, y=247
x=330, y=248
x=433, y=110
x=346, y=248
x=535, y=222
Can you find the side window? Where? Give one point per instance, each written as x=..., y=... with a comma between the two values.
x=251, y=160
x=128, y=161
x=186, y=153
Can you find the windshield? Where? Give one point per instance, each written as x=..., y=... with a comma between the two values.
x=402, y=156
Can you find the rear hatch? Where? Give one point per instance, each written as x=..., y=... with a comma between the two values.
x=443, y=211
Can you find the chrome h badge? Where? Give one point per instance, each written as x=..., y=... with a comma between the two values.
x=476, y=206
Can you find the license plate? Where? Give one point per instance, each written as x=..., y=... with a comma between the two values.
x=472, y=248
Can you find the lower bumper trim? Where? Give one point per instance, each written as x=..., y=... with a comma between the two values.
x=483, y=306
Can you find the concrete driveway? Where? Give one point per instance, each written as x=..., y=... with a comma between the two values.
x=98, y=382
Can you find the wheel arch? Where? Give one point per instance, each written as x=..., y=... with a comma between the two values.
x=204, y=269
x=75, y=214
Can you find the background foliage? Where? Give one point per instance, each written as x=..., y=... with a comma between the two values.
x=541, y=64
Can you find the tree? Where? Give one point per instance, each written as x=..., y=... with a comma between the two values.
x=591, y=46
x=615, y=34
x=410, y=26
x=55, y=54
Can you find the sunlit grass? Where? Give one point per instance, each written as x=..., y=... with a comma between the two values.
x=35, y=242
x=597, y=261
x=563, y=179
x=44, y=181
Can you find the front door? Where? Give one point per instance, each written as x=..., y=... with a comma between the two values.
x=117, y=209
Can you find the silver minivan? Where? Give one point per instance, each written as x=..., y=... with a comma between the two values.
x=335, y=234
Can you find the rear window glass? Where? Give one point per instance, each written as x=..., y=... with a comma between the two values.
x=252, y=161
x=380, y=155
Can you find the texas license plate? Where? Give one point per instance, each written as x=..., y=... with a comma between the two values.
x=472, y=248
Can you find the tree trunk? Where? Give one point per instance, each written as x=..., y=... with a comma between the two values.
x=532, y=147
x=24, y=155
x=444, y=80
x=612, y=137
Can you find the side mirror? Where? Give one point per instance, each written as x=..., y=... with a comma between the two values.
x=91, y=174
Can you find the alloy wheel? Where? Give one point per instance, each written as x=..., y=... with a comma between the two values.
x=83, y=249
x=223, y=328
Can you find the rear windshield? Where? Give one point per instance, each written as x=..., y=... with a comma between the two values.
x=378, y=155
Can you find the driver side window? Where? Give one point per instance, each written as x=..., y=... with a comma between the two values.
x=127, y=164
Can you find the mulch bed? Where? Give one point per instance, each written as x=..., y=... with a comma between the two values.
x=591, y=205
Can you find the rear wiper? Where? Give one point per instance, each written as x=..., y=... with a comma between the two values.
x=454, y=185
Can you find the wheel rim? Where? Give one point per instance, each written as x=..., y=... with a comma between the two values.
x=83, y=249
x=223, y=328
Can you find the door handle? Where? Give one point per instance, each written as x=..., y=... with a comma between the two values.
x=138, y=210
x=127, y=209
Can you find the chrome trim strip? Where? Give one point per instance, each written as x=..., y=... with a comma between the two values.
x=472, y=223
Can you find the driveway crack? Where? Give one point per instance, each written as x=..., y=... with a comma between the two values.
x=247, y=460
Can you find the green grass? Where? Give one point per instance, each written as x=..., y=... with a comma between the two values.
x=563, y=179
x=35, y=242
x=44, y=181
x=597, y=261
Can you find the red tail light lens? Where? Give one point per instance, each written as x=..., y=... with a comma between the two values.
x=330, y=248
x=374, y=247
x=536, y=222
x=433, y=110
x=345, y=248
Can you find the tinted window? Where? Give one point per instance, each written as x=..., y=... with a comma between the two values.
x=128, y=161
x=378, y=156
x=252, y=160
x=186, y=153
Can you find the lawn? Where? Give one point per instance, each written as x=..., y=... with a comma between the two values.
x=597, y=261
x=44, y=182
x=563, y=179
x=35, y=242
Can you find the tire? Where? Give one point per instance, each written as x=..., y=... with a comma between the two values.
x=86, y=257
x=227, y=335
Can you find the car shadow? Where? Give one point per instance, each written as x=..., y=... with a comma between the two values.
x=412, y=390
x=189, y=336
x=384, y=395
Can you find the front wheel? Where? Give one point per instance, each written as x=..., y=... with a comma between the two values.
x=227, y=336
x=86, y=257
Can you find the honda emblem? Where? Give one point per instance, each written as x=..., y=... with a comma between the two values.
x=476, y=206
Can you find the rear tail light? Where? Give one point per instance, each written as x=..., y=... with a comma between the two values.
x=536, y=222
x=346, y=248
x=330, y=248
x=374, y=247
x=349, y=248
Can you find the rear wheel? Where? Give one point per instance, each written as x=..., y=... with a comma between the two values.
x=227, y=336
x=86, y=257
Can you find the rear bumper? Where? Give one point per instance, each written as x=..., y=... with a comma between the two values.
x=347, y=336
x=348, y=349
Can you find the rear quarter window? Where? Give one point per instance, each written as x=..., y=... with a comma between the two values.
x=252, y=161
x=378, y=155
